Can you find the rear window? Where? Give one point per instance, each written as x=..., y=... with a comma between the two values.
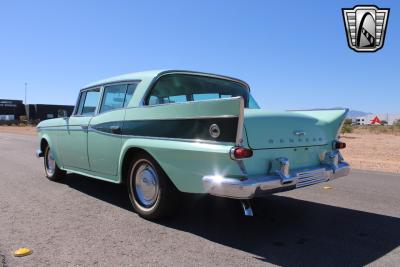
x=178, y=88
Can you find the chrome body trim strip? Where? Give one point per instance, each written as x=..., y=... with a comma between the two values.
x=250, y=187
x=90, y=129
x=200, y=141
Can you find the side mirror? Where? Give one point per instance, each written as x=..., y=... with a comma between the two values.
x=62, y=113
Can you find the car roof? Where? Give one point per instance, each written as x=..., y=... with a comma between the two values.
x=148, y=76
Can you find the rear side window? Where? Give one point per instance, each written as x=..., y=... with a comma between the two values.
x=129, y=93
x=117, y=96
x=114, y=97
x=88, y=102
x=178, y=88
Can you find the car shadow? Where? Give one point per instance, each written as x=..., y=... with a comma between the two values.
x=284, y=231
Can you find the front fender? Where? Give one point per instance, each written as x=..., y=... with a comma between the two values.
x=52, y=142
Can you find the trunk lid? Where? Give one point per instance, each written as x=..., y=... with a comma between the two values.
x=291, y=129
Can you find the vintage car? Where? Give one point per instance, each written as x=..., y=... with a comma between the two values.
x=165, y=132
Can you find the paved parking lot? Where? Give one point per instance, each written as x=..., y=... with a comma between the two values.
x=84, y=222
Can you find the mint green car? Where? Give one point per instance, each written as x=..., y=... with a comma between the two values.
x=165, y=132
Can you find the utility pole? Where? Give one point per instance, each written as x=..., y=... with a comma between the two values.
x=26, y=85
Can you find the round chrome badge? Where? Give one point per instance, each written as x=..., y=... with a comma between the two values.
x=214, y=131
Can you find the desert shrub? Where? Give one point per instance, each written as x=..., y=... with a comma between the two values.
x=347, y=127
x=377, y=129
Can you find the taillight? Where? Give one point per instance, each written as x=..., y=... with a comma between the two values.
x=241, y=153
x=339, y=145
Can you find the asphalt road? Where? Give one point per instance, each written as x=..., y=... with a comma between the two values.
x=86, y=222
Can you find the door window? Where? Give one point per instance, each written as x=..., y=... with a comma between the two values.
x=117, y=96
x=129, y=93
x=90, y=100
x=114, y=97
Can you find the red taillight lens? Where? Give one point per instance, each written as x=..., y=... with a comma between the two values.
x=241, y=153
x=339, y=145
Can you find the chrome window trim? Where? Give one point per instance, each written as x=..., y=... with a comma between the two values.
x=79, y=99
x=187, y=102
x=112, y=83
x=118, y=83
x=102, y=97
x=101, y=86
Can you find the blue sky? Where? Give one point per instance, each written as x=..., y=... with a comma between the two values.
x=293, y=54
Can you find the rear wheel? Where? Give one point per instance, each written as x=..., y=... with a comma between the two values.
x=53, y=172
x=151, y=193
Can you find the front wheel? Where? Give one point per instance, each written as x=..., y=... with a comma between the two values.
x=151, y=193
x=53, y=172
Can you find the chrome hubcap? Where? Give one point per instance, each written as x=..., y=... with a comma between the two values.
x=50, y=162
x=146, y=184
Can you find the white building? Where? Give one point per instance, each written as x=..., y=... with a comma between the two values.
x=371, y=119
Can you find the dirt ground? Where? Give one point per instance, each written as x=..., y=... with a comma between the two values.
x=29, y=130
x=365, y=151
x=377, y=152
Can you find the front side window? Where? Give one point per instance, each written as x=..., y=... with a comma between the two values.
x=177, y=88
x=80, y=103
x=88, y=102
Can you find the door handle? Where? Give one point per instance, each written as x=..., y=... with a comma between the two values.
x=115, y=129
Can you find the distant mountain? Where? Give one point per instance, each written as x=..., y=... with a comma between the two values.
x=351, y=114
x=357, y=113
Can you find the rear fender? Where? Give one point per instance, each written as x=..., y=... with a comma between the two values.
x=186, y=163
x=331, y=119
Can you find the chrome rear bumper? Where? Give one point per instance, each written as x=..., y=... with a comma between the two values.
x=251, y=187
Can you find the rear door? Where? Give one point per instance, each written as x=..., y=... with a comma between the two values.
x=105, y=129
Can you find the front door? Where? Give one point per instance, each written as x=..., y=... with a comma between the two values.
x=73, y=139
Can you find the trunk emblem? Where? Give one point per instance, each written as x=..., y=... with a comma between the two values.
x=299, y=132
